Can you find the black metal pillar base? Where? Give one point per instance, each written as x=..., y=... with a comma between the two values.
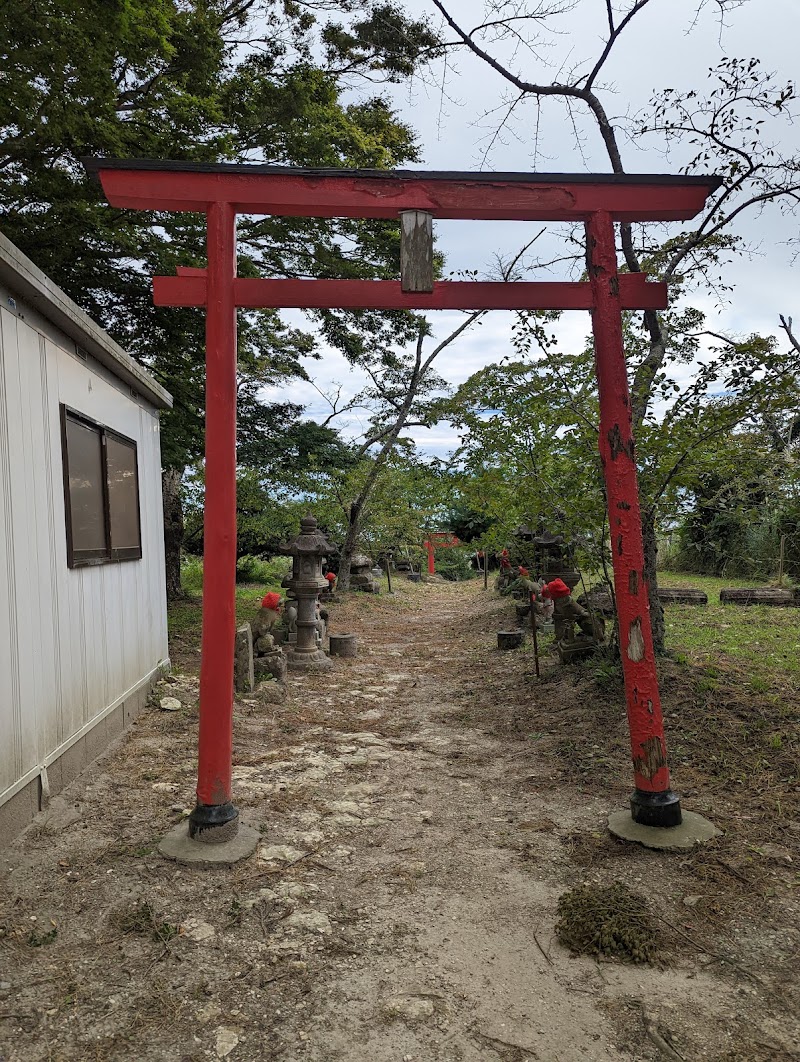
x=213, y=823
x=656, y=809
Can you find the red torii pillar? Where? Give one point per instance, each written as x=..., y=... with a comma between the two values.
x=222, y=191
x=442, y=539
x=431, y=560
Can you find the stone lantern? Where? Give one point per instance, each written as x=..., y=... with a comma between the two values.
x=307, y=550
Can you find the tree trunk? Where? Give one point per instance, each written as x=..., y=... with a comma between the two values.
x=173, y=530
x=650, y=574
x=349, y=546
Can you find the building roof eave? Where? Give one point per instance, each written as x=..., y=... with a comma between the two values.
x=32, y=285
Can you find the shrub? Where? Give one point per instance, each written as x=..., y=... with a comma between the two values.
x=248, y=570
x=454, y=564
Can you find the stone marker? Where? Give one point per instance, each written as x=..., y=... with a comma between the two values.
x=361, y=573
x=243, y=674
x=678, y=595
x=758, y=596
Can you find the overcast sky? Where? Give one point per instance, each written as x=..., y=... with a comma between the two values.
x=454, y=110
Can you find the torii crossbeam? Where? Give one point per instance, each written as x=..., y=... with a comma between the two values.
x=598, y=201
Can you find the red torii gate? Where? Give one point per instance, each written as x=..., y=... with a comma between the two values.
x=438, y=540
x=223, y=191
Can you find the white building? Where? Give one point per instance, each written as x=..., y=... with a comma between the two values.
x=83, y=621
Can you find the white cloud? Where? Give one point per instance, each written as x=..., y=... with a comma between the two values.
x=655, y=52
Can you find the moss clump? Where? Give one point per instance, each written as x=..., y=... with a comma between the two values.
x=609, y=920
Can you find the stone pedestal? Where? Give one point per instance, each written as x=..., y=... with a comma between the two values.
x=178, y=845
x=690, y=832
x=360, y=574
x=270, y=665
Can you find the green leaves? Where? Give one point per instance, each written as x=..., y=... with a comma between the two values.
x=201, y=80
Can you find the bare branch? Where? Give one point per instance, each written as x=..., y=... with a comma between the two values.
x=333, y=402
x=786, y=325
x=612, y=39
x=523, y=86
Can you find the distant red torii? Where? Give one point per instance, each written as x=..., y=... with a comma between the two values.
x=438, y=540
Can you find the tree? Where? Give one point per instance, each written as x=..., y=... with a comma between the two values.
x=734, y=129
x=198, y=80
x=284, y=469
x=403, y=392
x=408, y=497
x=540, y=412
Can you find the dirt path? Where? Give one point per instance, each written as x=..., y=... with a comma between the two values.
x=418, y=831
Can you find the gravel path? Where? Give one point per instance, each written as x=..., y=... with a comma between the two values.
x=402, y=905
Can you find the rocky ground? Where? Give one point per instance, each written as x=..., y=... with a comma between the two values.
x=422, y=809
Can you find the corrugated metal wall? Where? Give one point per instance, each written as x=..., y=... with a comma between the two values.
x=72, y=642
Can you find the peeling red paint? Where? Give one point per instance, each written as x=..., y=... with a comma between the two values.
x=633, y=582
x=618, y=444
x=636, y=647
x=651, y=759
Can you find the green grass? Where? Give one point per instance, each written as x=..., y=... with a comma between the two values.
x=185, y=617
x=764, y=641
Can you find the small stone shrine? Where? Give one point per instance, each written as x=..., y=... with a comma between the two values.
x=361, y=577
x=306, y=626
x=553, y=559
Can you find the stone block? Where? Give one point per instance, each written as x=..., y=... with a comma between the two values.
x=243, y=674
x=273, y=664
x=271, y=692
x=510, y=639
x=343, y=645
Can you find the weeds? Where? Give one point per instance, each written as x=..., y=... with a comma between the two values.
x=38, y=940
x=142, y=919
x=609, y=920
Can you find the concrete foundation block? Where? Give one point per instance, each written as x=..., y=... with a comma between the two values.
x=693, y=830
x=178, y=845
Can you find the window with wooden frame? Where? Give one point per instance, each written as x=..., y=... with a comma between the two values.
x=101, y=492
